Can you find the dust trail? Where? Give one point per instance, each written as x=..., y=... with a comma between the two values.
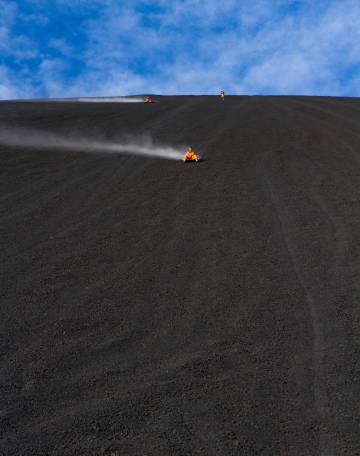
x=111, y=100
x=129, y=99
x=31, y=139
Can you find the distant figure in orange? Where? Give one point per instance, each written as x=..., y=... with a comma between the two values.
x=148, y=100
x=190, y=155
x=222, y=95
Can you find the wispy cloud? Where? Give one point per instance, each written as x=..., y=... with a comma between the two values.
x=7, y=90
x=85, y=48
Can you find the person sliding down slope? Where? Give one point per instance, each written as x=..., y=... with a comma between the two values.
x=148, y=100
x=190, y=156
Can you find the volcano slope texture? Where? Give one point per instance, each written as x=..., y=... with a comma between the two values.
x=150, y=307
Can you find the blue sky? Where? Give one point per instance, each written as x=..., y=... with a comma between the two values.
x=66, y=48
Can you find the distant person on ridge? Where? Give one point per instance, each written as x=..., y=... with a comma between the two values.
x=222, y=95
x=148, y=100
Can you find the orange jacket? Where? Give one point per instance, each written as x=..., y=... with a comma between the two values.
x=190, y=155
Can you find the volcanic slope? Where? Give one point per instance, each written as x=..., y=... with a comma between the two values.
x=151, y=307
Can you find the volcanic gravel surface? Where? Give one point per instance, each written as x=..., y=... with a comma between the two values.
x=150, y=307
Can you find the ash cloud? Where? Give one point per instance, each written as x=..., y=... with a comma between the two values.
x=111, y=100
x=34, y=139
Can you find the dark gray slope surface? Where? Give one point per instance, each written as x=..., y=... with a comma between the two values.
x=154, y=308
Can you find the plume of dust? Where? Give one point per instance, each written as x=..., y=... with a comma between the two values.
x=135, y=99
x=43, y=140
x=111, y=100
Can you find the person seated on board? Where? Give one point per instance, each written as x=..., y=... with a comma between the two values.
x=148, y=100
x=190, y=155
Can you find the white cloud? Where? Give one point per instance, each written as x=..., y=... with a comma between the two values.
x=264, y=51
x=197, y=46
x=8, y=89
